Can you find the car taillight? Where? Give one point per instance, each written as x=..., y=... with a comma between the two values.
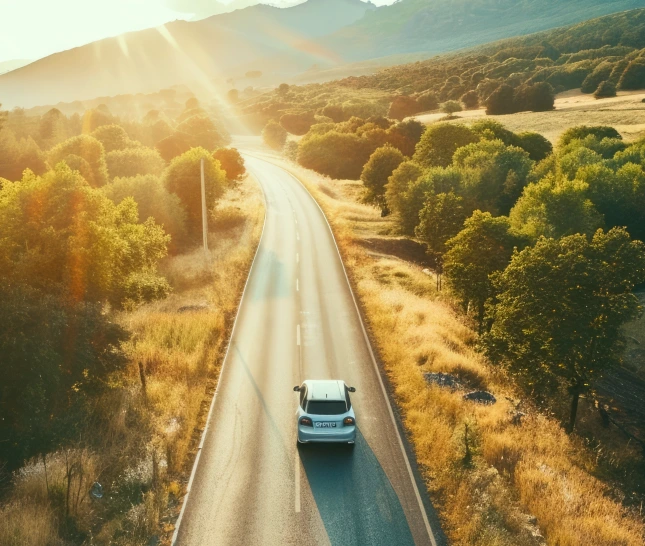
x=306, y=422
x=348, y=421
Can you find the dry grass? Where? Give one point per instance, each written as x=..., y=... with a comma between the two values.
x=524, y=485
x=140, y=444
x=626, y=113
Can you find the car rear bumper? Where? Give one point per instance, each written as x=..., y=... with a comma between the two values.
x=343, y=435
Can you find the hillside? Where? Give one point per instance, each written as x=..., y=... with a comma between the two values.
x=197, y=53
x=322, y=35
x=445, y=25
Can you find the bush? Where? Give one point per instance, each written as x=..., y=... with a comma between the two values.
x=451, y=107
x=580, y=132
x=605, y=90
x=470, y=100
x=439, y=143
x=403, y=107
x=535, y=144
x=173, y=146
x=297, y=124
x=427, y=101
x=535, y=98
x=634, y=76
x=501, y=101
x=202, y=132
x=134, y=161
x=337, y=155
x=274, y=135
x=113, y=137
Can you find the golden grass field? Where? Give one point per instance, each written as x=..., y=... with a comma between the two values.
x=146, y=441
x=626, y=113
x=525, y=485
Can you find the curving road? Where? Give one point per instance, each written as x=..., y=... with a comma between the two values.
x=298, y=320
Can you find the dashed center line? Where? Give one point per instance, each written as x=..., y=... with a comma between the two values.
x=297, y=285
x=298, y=235
x=298, y=335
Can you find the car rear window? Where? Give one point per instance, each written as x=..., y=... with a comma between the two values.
x=317, y=407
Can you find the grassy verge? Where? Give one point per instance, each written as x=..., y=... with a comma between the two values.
x=511, y=482
x=140, y=437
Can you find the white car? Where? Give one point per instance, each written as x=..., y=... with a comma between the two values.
x=325, y=412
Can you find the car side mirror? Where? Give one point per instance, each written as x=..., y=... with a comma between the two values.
x=351, y=389
x=296, y=388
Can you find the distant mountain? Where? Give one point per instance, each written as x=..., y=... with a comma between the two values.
x=8, y=66
x=437, y=26
x=318, y=36
x=199, y=53
x=201, y=9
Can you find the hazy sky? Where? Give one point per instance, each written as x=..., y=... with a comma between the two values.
x=31, y=29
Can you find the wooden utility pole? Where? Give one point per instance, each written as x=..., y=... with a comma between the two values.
x=204, y=218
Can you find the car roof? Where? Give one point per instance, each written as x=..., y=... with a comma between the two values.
x=325, y=390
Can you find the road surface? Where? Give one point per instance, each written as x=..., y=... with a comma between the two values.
x=297, y=320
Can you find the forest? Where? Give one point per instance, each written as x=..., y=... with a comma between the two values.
x=100, y=220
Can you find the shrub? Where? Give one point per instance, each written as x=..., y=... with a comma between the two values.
x=427, y=101
x=439, y=143
x=173, y=146
x=337, y=155
x=501, y=101
x=580, y=132
x=451, y=107
x=297, y=124
x=274, y=135
x=537, y=146
x=605, y=90
x=202, y=132
x=634, y=76
x=470, y=100
x=536, y=98
x=403, y=107
x=113, y=137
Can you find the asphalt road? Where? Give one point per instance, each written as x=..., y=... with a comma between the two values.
x=297, y=320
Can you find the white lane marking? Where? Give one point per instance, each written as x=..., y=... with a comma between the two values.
x=298, y=235
x=296, y=220
x=297, y=285
x=298, y=335
x=297, y=481
x=378, y=372
x=297, y=257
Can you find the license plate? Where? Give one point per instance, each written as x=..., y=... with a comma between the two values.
x=325, y=425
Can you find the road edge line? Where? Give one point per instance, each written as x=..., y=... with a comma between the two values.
x=175, y=533
x=378, y=371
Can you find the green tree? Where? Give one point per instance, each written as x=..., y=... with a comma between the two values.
x=153, y=201
x=440, y=142
x=402, y=107
x=555, y=209
x=182, y=177
x=94, y=118
x=232, y=162
x=173, y=146
x=605, y=90
x=79, y=244
x=427, y=101
x=376, y=172
x=274, y=135
x=538, y=97
x=440, y=219
x=501, y=101
x=113, y=137
x=537, y=146
x=297, y=123
x=470, y=100
x=88, y=148
x=483, y=247
x=134, y=161
x=57, y=356
x=560, y=309
x=202, y=132
x=580, y=132
x=3, y=117
x=634, y=76
x=497, y=174
x=337, y=155
x=52, y=128
x=398, y=183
